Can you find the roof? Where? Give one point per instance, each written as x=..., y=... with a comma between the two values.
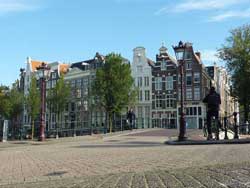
x=63, y=68
x=197, y=58
x=150, y=62
x=36, y=64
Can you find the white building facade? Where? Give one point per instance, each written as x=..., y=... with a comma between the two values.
x=142, y=74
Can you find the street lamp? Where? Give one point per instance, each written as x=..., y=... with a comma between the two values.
x=43, y=73
x=180, y=51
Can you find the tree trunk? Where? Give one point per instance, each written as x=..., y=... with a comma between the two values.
x=57, y=125
x=32, y=129
x=110, y=122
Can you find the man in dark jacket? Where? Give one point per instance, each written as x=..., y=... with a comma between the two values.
x=213, y=104
x=131, y=118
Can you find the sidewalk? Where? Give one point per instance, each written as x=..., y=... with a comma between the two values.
x=93, y=137
x=201, y=140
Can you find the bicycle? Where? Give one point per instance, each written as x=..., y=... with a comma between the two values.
x=214, y=129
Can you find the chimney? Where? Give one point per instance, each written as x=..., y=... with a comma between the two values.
x=198, y=54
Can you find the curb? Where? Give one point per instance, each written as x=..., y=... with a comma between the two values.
x=208, y=142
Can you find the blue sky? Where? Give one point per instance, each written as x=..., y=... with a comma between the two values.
x=70, y=31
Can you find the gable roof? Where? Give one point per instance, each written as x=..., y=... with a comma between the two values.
x=63, y=68
x=36, y=64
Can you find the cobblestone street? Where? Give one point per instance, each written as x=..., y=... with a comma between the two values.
x=139, y=159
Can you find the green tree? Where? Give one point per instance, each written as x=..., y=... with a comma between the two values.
x=113, y=86
x=58, y=97
x=33, y=102
x=16, y=101
x=236, y=53
x=4, y=102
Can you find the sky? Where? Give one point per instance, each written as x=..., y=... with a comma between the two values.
x=71, y=31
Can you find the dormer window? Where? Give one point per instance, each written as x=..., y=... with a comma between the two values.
x=188, y=55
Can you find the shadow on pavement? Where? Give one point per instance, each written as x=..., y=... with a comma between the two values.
x=122, y=145
x=58, y=173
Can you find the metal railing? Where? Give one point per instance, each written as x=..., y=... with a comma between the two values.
x=234, y=126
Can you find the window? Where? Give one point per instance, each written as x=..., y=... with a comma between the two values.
x=197, y=93
x=169, y=82
x=197, y=77
x=158, y=101
x=140, y=95
x=163, y=65
x=146, y=81
x=170, y=101
x=139, y=68
x=188, y=66
x=188, y=55
x=158, y=83
x=53, y=75
x=189, y=93
x=140, y=111
x=78, y=93
x=189, y=79
x=78, y=83
x=139, y=81
x=147, y=95
x=53, y=83
x=199, y=110
x=147, y=111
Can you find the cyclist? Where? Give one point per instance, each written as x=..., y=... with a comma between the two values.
x=213, y=102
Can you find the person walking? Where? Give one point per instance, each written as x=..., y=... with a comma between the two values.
x=213, y=102
x=131, y=118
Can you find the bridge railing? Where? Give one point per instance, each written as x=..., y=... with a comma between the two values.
x=234, y=126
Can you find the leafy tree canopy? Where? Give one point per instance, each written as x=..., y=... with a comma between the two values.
x=236, y=53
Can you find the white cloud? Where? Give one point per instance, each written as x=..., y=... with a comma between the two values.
x=192, y=5
x=230, y=14
x=209, y=56
x=8, y=6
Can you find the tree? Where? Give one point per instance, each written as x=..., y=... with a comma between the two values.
x=236, y=53
x=113, y=86
x=33, y=102
x=4, y=102
x=58, y=97
x=15, y=97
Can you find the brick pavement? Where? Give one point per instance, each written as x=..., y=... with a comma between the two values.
x=123, y=161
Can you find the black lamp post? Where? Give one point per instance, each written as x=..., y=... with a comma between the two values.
x=180, y=56
x=43, y=72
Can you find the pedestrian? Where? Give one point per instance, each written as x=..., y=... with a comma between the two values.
x=213, y=102
x=131, y=118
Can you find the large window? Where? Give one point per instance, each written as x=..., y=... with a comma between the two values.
x=146, y=81
x=169, y=82
x=189, y=93
x=158, y=83
x=139, y=81
x=147, y=95
x=189, y=79
x=197, y=95
x=140, y=95
x=197, y=77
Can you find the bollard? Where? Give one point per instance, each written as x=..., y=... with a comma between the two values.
x=225, y=127
x=236, y=135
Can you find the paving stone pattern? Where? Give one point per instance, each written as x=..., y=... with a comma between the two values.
x=123, y=161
